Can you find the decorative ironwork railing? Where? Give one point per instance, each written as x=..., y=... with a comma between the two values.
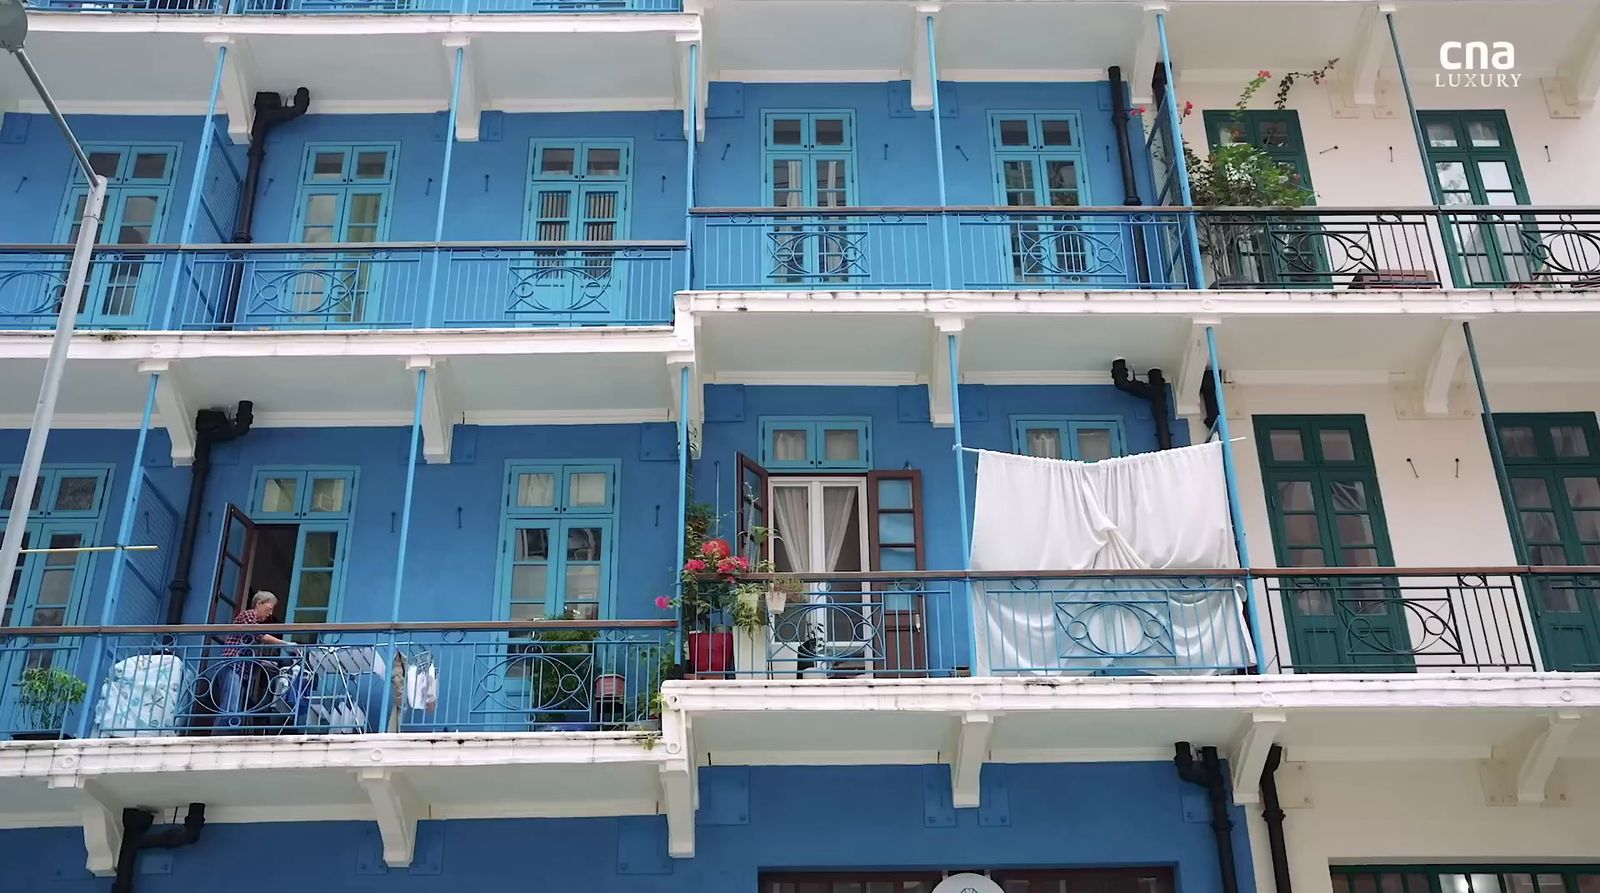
x=359, y=7
x=561, y=283
x=1319, y=248
x=1057, y=248
x=1523, y=248
x=564, y=675
x=815, y=249
x=123, y=287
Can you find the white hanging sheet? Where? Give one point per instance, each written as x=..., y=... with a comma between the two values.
x=1165, y=511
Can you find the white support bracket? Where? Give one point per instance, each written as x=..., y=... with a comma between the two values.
x=438, y=429
x=1146, y=55
x=922, y=85
x=172, y=410
x=1540, y=760
x=396, y=809
x=702, y=84
x=1433, y=391
x=966, y=763
x=238, y=95
x=469, y=106
x=941, y=411
x=1577, y=80
x=1357, y=86
x=101, y=818
x=677, y=361
x=1249, y=753
x=680, y=791
x=1192, y=368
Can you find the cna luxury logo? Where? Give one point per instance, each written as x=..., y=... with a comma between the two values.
x=1475, y=63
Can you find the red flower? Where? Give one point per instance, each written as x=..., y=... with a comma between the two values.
x=695, y=566
x=1136, y=111
x=1188, y=107
x=663, y=602
x=714, y=549
x=742, y=562
x=727, y=566
x=1263, y=73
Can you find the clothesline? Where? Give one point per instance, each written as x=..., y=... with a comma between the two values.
x=967, y=449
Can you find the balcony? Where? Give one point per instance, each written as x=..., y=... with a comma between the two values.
x=348, y=287
x=357, y=7
x=559, y=675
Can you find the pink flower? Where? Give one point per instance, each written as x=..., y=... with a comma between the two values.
x=1188, y=107
x=1263, y=73
x=695, y=566
x=663, y=602
x=715, y=549
x=742, y=562
x=1136, y=111
x=727, y=566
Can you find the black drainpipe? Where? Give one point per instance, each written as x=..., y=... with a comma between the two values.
x=1207, y=773
x=1152, y=390
x=1208, y=397
x=136, y=836
x=1272, y=812
x=1119, y=124
x=211, y=427
x=270, y=112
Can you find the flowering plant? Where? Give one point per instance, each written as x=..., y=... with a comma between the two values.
x=715, y=579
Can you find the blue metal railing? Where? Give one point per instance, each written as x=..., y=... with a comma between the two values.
x=124, y=285
x=563, y=675
x=359, y=7
x=849, y=249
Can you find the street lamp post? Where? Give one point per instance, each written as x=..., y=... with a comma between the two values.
x=13, y=33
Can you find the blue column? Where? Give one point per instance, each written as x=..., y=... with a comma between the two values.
x=1230, y=471
x=130, y=510
x=1191, y=235
x=411, y=485
x=691, y=113
x=202, y=165
x=444, y=185
x=938, y=159
x=683, y=494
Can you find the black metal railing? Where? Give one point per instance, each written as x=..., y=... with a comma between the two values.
x=1319, y=248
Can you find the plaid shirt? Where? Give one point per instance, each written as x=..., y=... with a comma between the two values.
x=247, y=617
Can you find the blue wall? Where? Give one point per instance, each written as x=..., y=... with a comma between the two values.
x=894, y=151
x=799, y=818
x=902, y=436
x=454, y=542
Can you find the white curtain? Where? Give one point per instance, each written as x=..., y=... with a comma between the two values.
x=838, y=504
x=1166, y=510
x=791, y=506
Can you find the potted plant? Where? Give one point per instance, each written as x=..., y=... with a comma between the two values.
x=563, y=664
x=45, y=694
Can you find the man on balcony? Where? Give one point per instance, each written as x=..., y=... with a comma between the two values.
x=242, y=674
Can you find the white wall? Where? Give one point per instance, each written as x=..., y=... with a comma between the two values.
x=1420, y=812
x=1376, y=162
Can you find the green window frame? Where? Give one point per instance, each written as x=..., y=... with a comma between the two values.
x=1275, y=132
x=1082, y=438
x=1470, y=878
x=319, y=502
x=1472, y=160
x=558, y=540
x=812, y=443
x=139, y=178
x=1553, y=463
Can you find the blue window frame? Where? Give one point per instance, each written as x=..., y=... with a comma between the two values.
x=48, y=589
x=808, y=159
x=1039, y=162
x=578, y=191
x=318, y=503
x=346, y=196
x=809, y=443
x=122, y=287
x=1084, y=438
x=558, y=538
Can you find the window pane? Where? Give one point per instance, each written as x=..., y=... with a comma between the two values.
x=1354, y=530
x=1044, y=443
x=328, y=495
x=1302, y=530
x=841, y=445
x=321, y=548
x=583, y=544
x=583, y=582
x=104, y=163
x=830, y=132
x=586, y=488
x=1360, y=557
x=150, y=166
x=1540, y=527
x=1570, y=441
x=787, y=132
x=897, y=528
x=372, y=165
x=1337, y=445
x=1306, y=558
x=1530, y=493
x=1348, y=496
x=604, y=162
x=529, y=583
x=327, y=165
x=280, y=494
x=556, y=162
x=1587, y=525
x=1286, y=446
x=789, y=445
x=1296, y=496
x=1274, y=134
x=76, y=494
x=1056, y=132
x=1094, y=444
x=1452, y=176
x=894, y=494
x=1014, y=132
x=533, y=544
x=536, y=490
x=365, y=209
x=1484, y=135
x=316, y=588
x=1583, y=492
x=322, y=210
x=1441, y=134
